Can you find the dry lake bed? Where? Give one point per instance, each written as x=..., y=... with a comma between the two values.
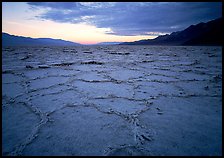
x=112, y=100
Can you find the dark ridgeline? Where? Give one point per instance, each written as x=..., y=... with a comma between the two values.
x=209, y=33
x=12, y=40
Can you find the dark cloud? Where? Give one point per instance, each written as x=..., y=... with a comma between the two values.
x=132, y=18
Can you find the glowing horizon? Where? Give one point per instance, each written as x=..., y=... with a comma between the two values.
x=86, y=35
x=25, y=25
x=95, y=22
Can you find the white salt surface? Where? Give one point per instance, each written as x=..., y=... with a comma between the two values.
x=112, y=100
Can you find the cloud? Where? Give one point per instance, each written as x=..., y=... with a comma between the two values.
x=54, y=5
x=132, y=18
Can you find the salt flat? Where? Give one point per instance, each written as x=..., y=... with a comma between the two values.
x=112, y=100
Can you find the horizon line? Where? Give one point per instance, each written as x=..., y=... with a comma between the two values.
x=68, y=40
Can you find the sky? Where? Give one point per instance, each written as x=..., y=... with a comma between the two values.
x=94, y=22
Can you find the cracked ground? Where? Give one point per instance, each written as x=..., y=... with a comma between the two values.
x=112, y=100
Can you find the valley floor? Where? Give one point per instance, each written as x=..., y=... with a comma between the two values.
x=112, y=100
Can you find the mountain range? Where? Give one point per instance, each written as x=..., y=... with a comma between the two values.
x=209, y=33
x=12, y=40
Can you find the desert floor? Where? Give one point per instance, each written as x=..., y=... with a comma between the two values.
x=112, y=100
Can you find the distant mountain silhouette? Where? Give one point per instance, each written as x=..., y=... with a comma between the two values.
x=209, y=33
x=108, y=43
x=12, y=40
